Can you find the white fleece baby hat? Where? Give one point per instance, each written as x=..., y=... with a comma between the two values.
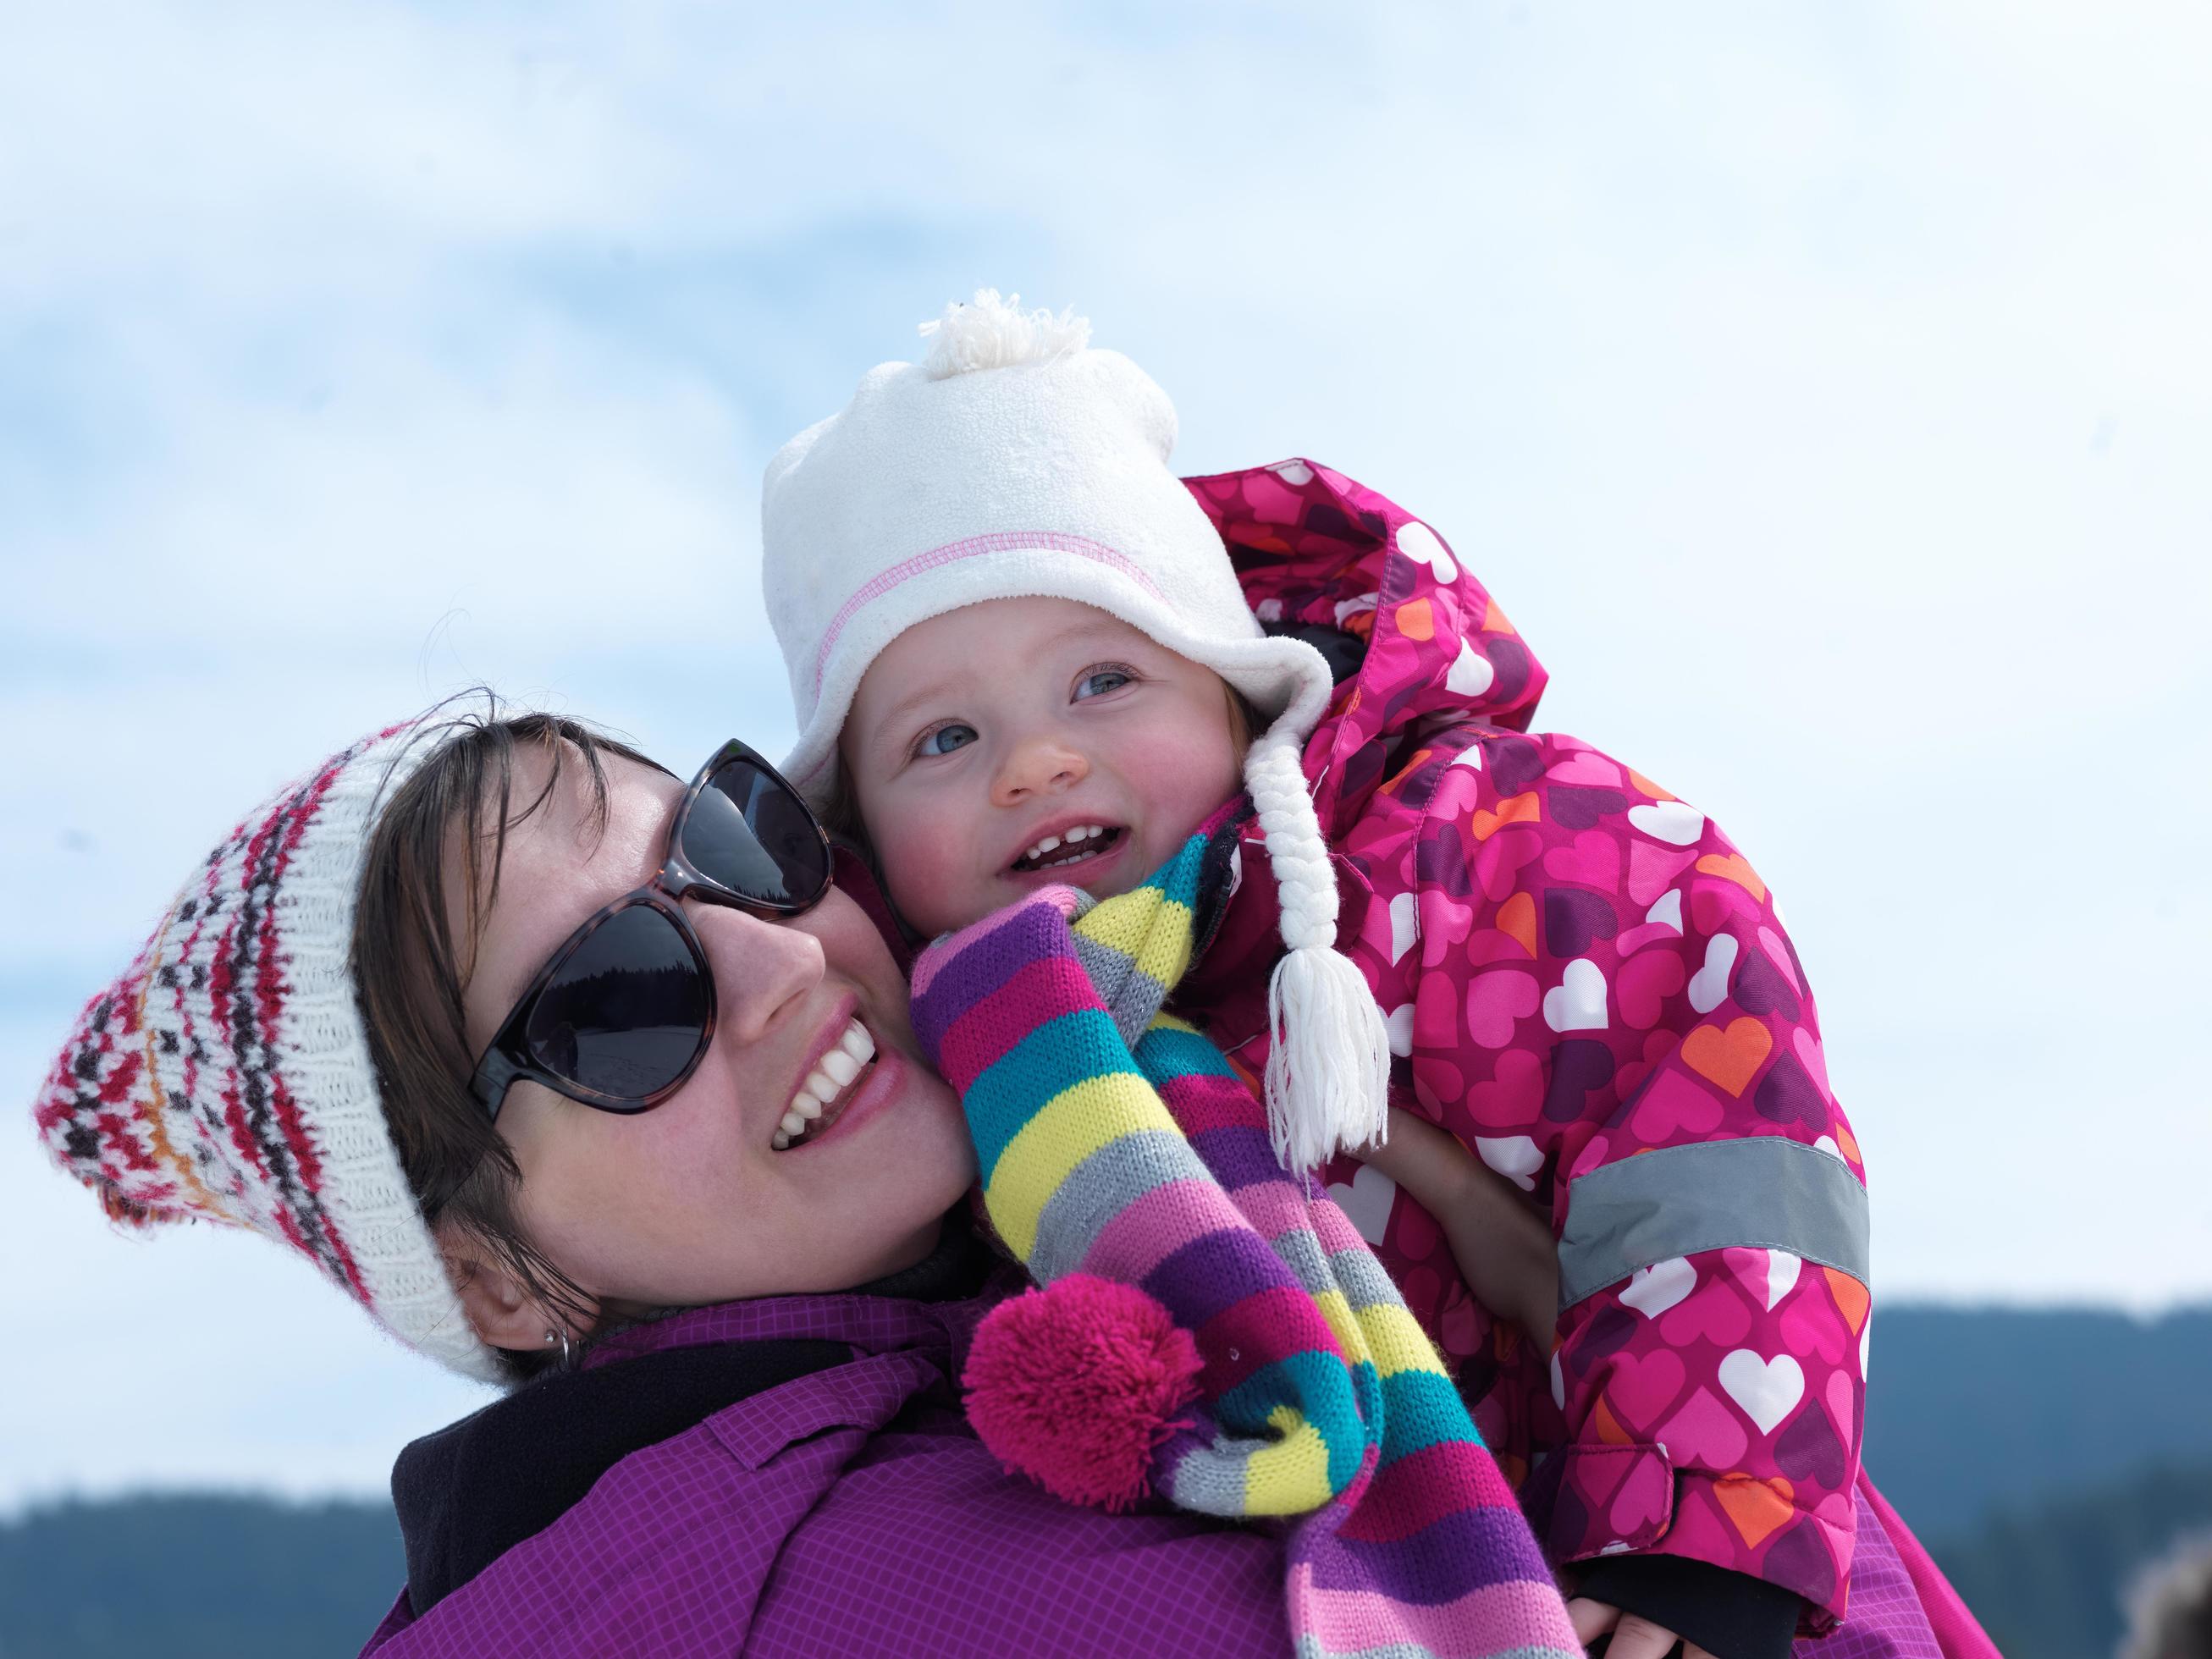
x=1014, y=461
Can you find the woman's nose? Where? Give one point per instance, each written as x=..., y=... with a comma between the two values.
x=1038, y=765
x=761, y=968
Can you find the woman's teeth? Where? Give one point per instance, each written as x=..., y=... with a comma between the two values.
x=1070, y=846
x=810, y=1109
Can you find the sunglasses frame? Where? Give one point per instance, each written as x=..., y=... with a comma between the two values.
x=507, y=1060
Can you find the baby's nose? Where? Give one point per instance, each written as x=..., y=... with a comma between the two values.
x=1040, y=765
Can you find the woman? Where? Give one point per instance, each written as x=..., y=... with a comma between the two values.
x=567, y=1072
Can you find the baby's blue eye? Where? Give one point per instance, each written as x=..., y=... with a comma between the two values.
x=945, y=739
x=1099, y=680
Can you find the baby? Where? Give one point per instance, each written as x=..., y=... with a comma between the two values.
x=993, y=745
x=1014, y=743
x=1026, y=654
x=1010, y=744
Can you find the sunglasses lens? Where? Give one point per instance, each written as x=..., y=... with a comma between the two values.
x=750, y=832
x=626, y=1013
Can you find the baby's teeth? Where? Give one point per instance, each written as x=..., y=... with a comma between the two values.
x=1044, y=846
x=1081, y=832
x=806, y=1106
x=841, y=1067
x=778, y=1140
x=794, y=1125
x=857, y=1042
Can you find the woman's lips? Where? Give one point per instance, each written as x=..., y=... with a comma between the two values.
x=834, y=1073
x=873, y=1092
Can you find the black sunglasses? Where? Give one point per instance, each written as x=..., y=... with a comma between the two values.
x=621, y=1015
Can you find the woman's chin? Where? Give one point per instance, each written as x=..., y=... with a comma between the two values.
x=915, y=1251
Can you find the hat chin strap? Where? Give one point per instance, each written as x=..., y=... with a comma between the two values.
x=1329, y=1066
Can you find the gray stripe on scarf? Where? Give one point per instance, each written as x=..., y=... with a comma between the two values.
x=1098, y=1189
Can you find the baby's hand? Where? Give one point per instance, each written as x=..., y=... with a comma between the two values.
x=1502, y=1246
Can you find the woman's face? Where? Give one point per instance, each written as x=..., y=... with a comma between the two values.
x=691, y=1203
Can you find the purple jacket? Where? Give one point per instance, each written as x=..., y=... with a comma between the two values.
x=851, y=1511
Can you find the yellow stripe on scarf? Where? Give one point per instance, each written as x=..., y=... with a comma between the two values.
x=1397, y=1340
x=1146, y=925
x=1068, y=1129
x=1292, y=1476
x=1343, y=1324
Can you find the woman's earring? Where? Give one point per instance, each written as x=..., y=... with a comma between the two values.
x=560, y=1335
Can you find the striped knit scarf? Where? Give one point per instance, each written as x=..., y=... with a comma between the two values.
x=1120, y=1155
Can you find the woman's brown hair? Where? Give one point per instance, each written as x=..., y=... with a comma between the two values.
x=412, y=969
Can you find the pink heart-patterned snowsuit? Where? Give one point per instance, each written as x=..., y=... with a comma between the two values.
x=1588, y=984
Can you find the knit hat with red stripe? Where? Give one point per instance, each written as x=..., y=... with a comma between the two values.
x=226, y=1076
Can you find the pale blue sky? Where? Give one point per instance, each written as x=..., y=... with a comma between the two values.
x=1823, y=390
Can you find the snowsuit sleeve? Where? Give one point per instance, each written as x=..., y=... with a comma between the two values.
x=1594, y=992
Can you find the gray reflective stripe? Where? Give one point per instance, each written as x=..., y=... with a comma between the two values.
x=1765, y=1192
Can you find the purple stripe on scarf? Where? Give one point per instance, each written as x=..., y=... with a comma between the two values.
x=963, y=979
x=1238, y=1156
x=1464, y=1551
x=1213, y=1273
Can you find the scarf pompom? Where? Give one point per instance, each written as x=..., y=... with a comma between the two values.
x=1077, y=1384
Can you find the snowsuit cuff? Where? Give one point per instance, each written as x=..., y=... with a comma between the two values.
x=1729, y=1614
x=1612, y=1502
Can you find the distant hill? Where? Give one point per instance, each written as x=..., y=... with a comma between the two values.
x=2043, y=1457
x=197, y=1578
x=1975, y=1408
x=2047, y=1579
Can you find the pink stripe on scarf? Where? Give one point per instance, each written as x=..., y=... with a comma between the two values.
x=1346, y=1621
x=1420, y=1490
x=1162, y=1221
x=978, y=1037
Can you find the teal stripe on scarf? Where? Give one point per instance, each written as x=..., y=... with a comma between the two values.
x=1018, y=1085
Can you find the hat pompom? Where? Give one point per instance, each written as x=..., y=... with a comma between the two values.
x=996, y=333
x=1076, y=1386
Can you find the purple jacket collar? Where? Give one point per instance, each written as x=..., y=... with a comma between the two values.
x=871, y=1324
x=848, y=1510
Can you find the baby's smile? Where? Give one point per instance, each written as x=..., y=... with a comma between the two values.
x=1081, y=844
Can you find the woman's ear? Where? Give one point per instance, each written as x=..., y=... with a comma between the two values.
x=502, y=1309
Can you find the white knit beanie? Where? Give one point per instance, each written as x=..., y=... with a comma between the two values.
x=1015, y=461
x=225, y=1076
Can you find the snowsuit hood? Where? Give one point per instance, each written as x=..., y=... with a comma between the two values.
x=1315, y=550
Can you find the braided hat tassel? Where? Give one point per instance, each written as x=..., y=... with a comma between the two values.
x=1328, y=1064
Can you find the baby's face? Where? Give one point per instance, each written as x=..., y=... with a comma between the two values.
x=1016, y=743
